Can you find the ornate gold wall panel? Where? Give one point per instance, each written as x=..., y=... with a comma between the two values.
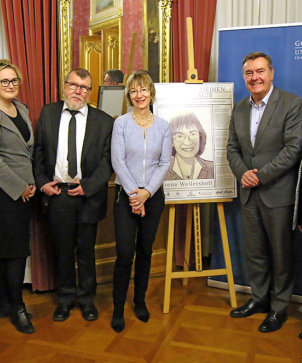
x=65, y=37
x=111, y=43
x=65, y=40
x=92, y=59
x=165, y=15
x=157, y=38
x=111, y=33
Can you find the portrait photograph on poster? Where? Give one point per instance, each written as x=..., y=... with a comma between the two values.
x=199, y=116
x=189, y=143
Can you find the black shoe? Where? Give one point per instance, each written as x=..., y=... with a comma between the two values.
x=5, y=310
x=89, y=312
x=300, y=335
x=272, y=322
x=19, y=318
x=118, y=322
x=141, y=312
x=62, y=312
x=249, y=309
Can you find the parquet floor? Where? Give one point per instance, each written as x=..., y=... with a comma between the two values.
x=197, y=329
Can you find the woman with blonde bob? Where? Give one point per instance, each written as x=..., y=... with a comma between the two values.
x=141, y=154
x=17, y=187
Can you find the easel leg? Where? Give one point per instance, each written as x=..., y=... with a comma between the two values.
x=197, y=236
x=187, y=242
x=226, y=252
x=170, y=244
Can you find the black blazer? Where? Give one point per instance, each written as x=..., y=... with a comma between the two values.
x=95, y=160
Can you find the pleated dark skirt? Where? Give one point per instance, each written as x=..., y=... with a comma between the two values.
x=14, y=227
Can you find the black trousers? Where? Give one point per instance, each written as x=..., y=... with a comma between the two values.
x=134, y=234
x=74, y=242
x=269, y=251
x=12, y=272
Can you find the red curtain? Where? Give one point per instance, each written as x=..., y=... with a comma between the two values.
x=31, y=33
x=202, y=13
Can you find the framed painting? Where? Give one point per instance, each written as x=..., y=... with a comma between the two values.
x=103, y=10
x=157, y=15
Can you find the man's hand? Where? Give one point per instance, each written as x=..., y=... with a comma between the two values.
x=32, y=190
x=249, y=179
x=76, y=192
x=51, y=188
x=139, y=199
x=28, y=193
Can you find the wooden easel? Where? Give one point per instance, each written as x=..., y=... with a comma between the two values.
x=193, y=210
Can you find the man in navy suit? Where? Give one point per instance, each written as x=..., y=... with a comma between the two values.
x=72, y=168
x=265, y=139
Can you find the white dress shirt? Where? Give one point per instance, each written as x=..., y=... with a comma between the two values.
x=256, y=114
x=61, y=169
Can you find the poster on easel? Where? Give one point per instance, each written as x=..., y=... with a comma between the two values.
x=199, y=116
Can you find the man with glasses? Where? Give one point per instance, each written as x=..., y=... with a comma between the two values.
x=72, y=167
x=263, y=150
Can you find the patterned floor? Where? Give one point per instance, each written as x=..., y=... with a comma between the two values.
x=197, y=329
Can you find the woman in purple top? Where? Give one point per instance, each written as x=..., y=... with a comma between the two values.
x=141, y=153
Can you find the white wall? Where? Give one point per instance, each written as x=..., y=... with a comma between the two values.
x=238, y=13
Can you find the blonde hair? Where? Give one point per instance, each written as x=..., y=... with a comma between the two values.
x=5, y=63
x=142, y=79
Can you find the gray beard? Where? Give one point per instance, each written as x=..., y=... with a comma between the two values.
x=73, y=107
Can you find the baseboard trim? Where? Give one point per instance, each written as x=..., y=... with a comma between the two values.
x=244, y=289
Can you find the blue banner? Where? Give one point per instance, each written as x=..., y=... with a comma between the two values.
x=284, y=44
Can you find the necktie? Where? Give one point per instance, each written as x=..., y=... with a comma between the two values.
x=72, y=145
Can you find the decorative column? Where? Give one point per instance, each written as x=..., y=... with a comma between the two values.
x=165, y=14
x=65, y=41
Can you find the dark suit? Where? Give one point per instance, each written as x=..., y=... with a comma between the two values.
x=267, y=209
x=73, y=220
